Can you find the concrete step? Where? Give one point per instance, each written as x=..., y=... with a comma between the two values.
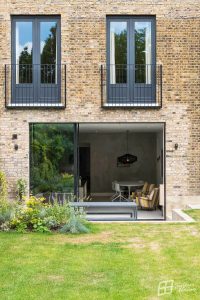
x=179, y=215
x=193, y=206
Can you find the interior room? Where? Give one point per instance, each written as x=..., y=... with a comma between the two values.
x=103, y=162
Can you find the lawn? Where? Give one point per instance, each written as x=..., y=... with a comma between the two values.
x=116, y=261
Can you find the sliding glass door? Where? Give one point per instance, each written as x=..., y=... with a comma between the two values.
x=131, y=59
x=53, y=158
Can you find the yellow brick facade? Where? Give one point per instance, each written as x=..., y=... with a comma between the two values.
x=83, y=49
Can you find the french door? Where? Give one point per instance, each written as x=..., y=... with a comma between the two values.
x=36, y=59
x=131, y=70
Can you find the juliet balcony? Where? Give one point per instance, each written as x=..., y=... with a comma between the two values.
x=131, y=86
x=35, y=86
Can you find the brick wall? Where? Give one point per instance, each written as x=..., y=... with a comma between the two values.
x=83, y=29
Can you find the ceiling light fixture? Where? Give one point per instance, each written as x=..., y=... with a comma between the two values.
x=126, y=159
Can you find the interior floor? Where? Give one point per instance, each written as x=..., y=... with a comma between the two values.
x=100, y=198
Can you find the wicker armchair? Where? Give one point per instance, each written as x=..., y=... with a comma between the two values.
x=143, y=191
x=151, y=201
x=146, y=190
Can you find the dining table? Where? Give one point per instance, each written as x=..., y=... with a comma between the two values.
x=131, y=184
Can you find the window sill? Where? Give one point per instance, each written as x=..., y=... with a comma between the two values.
x=132, y=105
x=35, y=105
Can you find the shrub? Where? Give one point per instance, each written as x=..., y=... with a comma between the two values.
x=36, y=215
x=60, y=213
x=27, y=216
x=6, y=208
x=76, y=223
x=5, y=218
x=3, y=191
x=33, y=214
x=21, y=188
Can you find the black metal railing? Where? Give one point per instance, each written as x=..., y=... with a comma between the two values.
x=131, y=85
x=34, y=85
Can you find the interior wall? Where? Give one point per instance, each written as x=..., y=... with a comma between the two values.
x=106, y=147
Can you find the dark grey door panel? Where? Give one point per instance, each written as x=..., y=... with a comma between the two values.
x=36, y=60
x=131, y=69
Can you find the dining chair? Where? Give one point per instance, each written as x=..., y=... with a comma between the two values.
x=114, y=190
x=119, y=192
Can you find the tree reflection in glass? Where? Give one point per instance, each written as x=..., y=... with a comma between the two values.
x=24, y=52
x=118, y=52
x=48, y=51
x=143, y=58
x=52, y=158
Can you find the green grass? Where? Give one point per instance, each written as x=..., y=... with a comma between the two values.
x=194, y=213
x=114, y=262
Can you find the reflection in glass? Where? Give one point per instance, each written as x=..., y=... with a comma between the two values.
x=48, y=51
x=143, y=57
x=118, y=52
x=24, y=52
x=52, y=158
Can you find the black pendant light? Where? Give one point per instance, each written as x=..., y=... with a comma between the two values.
x=126, y=159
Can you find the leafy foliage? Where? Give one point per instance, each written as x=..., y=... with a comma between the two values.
x=48, y=55
x=6, y=208
x=21, y=188
x=121, y=48
x=33, y=214
x=59, y=213
x=5, y=218
x=25, y=57
x=3, y=191
x=52, y=158
x=76, y=223
x=27, y=216
x=140, y=37
x=36, y=215
x=121, y=55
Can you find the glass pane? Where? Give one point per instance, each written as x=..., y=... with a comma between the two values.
x=24, y=52
x=118, y=52
x=48, y=51
x=143, y=57
x=52, y=158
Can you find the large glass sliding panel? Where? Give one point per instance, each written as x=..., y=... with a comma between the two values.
x=24, y=51
x=118, y=52
x=52, y=158
x=143, y=52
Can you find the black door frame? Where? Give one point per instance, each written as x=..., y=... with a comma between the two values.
x=76, y=157
x=76, y=161
x=164, y=157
